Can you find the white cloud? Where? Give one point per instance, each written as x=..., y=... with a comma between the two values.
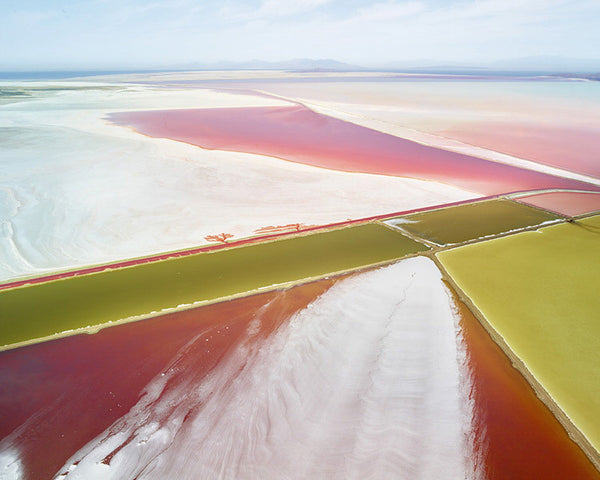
x=387, y=11
x=269, y=10
x=286, y=8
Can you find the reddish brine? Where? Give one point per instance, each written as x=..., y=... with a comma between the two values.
x=60, y=395
x=57, y=396
x=298, y=134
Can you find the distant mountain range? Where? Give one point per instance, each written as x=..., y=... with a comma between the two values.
x=297, y=64
x=538, y=65
x=527, y=65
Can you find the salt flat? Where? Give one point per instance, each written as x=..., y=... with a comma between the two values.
x=76, y=190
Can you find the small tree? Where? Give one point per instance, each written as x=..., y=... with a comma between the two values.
x=221, y=237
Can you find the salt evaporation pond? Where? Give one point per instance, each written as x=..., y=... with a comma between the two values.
x=377, y=374
x=381, y=373
x=298, y=134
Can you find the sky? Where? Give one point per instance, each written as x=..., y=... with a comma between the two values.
x=129, y=34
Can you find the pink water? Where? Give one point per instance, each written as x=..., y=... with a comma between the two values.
x=573, y=149
x=565, y=203
x=300, y=135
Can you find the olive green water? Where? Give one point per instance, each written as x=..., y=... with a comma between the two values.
x=40, y=310
x=540, y=291
x=472, y=221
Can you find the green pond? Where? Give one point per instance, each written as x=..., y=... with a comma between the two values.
x=40, y=310
x=471, y=221
x=540, y=291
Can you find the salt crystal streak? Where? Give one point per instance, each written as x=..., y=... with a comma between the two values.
x=362, y=383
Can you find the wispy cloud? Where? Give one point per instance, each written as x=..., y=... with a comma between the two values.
x=29, y=18
x=269, y=10
x=285, y=8
x=388, y=11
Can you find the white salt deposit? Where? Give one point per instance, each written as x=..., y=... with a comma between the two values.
x=10, y=465
x=363, y=383
x=75, y=190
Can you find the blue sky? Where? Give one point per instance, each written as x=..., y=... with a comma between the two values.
x=54, y=34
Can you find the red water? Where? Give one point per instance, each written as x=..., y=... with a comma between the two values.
x=62, y=394
x=59, y=395
x=565, y=203
x=516, y=435
x=298, y=134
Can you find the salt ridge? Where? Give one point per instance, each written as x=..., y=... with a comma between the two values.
x=363, y=383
